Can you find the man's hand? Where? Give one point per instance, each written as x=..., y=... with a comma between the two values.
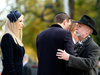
x=62, y=55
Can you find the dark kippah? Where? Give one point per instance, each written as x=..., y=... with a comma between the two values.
x=13, y=15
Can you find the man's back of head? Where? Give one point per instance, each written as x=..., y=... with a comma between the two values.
x=61, y=16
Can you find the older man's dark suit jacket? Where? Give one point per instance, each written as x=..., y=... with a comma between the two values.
x=27, y=69
x=86, y=62
x=48, y=41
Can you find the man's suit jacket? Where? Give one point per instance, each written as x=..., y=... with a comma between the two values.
x=48, y=41
x=86, y=62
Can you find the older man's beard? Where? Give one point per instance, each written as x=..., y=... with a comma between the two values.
x=79, y=34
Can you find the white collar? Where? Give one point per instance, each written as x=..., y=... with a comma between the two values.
x=74, y=41
x=24, y=63
x=80, y=42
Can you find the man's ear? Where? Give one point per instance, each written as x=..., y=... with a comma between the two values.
x=64, y=22
x=88, y=31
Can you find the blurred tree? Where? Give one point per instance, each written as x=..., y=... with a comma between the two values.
x=82, y=7
x=71, y=7
x=97, y=38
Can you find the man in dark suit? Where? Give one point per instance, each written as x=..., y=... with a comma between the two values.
x=27, y=66
x=86, y=50
x=47, y=43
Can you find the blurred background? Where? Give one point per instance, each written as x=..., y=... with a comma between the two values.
x=39, y=15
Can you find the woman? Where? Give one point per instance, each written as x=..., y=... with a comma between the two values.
x=12, y=46
x=72, y=30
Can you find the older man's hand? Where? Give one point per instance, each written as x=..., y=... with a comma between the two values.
x=62, y=54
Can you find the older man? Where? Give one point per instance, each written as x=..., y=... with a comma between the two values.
x=86, y=50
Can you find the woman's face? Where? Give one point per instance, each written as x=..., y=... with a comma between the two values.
x=21, y=22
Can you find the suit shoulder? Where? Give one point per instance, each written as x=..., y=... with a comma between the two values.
x=7, y=36
x=92, y=43
x=65, y=32
x=42, y=31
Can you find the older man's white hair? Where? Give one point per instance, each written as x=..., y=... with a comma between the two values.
x=26, y=56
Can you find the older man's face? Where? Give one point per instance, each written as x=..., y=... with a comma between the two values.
x=81, y=29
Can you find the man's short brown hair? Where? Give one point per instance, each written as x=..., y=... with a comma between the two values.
x=60, y=17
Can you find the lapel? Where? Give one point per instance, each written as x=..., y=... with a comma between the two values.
x=83, y=48
x=84, y=45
